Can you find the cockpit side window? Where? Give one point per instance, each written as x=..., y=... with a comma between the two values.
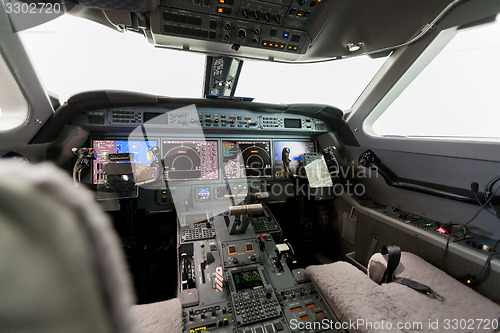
x=14, y=108
x=455, y=97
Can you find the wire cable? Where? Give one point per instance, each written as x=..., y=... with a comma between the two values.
x=483, y=206
x=479, y=202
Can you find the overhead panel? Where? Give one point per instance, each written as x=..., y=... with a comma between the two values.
x=274, y=25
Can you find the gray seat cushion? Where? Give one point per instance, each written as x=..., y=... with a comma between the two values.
x=61, y=268
x=49, y=274
x=160, y=317
x=354, y=296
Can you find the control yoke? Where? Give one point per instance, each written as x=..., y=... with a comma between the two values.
x=241, y=213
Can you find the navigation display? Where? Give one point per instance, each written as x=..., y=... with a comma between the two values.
x=190, y=160
x=246, y=159
x=247, y=280
x=297, y=148
x=142, y=156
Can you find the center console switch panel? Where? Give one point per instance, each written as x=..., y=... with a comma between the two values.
x=216, y=317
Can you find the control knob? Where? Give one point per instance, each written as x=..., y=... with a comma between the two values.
x=242, y=33
x=268, y=294
x=234, y=260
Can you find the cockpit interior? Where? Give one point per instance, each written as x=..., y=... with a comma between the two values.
x=249, y=166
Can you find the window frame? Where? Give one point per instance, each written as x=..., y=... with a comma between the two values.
x=398, y=72
x=12, y=98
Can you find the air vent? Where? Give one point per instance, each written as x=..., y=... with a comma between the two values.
x=96, y=117
x=320, y=126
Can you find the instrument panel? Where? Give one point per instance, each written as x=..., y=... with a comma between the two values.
x=202, y=160
x=203, y=118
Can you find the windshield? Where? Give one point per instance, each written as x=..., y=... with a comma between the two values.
x=73, y=55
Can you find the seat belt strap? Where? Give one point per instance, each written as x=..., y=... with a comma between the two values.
x=393, y=259
x=394, y=256
x=422, y=288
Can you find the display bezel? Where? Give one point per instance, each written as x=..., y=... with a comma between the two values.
x=188, y=140
x=249, y=140
x=278, y=154
x=248, y=285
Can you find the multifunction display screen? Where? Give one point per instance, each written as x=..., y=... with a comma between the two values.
x=297, y=148
x=190, y=160
x=142, y=156
x=247, y=280
x=250, y=159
